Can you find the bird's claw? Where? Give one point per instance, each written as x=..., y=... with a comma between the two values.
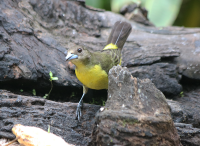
x=78, y=110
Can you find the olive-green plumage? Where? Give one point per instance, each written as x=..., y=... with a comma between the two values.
x=92, y=67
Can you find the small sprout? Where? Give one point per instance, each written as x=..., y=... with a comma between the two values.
x=73, y=94
x=181, y=94
x=97, y=102
x=103, y=102
x=94, y=101
x=51, y=76
x=55, y=78
x=34, y=92
x=21, y=90
x=48, y=128
x=51, y=79
x=45, y=96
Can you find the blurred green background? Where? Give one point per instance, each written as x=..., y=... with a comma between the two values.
x=160, y=12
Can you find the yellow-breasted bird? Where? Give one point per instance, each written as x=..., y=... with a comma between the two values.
x=92, y=67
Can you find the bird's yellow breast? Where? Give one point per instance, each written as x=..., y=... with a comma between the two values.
x=92, y=77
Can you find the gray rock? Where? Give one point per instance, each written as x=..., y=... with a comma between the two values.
x=136, y=113
x=188, y=134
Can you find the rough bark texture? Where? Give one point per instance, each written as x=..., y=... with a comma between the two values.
x=39, y=112
x=188, y=134
x=35, y=34
x=136, y=113
x=163, y=75
x=186, y=116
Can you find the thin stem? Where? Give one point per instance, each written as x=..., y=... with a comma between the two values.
x=51, y=89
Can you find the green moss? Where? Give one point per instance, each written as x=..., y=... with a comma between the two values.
x=128, y=121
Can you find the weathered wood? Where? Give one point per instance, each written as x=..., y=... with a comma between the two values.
x=39, y=112
x=35, y=34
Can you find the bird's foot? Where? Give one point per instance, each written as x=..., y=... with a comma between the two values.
x=78, y=110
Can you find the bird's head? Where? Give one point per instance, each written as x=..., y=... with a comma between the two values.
x=78, y=55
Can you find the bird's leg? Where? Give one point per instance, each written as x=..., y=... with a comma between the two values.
x=80, y=104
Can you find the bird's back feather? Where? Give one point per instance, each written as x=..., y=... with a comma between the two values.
x=115, y=43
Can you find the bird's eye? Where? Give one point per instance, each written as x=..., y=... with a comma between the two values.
x=79, y=50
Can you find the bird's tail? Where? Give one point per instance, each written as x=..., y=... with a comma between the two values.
x=118, y=35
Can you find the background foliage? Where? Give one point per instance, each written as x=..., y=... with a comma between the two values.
x=160, y=12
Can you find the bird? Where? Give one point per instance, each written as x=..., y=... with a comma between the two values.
x=92, y=67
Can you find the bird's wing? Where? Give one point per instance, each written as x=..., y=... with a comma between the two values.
x=111, y=54
x=107, y=59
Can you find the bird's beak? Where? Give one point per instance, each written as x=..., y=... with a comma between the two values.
x=71, y=56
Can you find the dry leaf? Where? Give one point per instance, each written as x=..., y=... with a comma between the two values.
x=33, y=136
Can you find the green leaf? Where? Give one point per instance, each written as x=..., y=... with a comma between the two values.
x=50, y=74
x=54, y=78
x=102, y=4
x=73, y=94
x=45, y=96
x=162, y=12
x=116, y=5
x=34, y=92
x=21, y=90
x=48, y=128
